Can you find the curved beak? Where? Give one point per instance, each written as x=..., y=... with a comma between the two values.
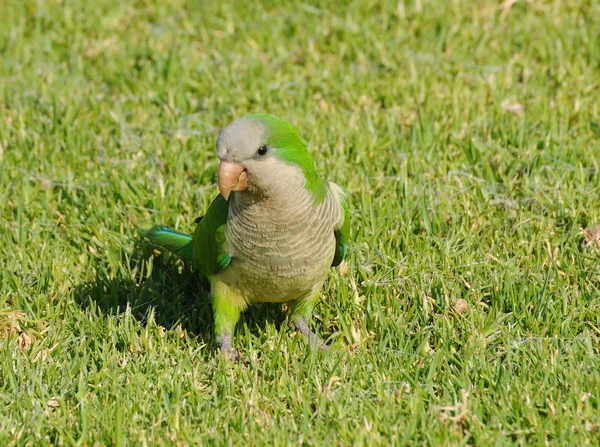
x=232, y=177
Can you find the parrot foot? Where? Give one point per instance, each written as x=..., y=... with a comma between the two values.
x=313, y=339
x=227, y=350
x=231, y=354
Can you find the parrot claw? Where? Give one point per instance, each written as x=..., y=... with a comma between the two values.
x=227, y=349
x=313, y=339
x=231, y=354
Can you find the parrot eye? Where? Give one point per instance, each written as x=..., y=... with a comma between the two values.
x=262, y=150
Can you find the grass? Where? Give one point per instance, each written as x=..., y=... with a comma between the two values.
x=466, y=134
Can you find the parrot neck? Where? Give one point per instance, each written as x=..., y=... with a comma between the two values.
x=281, y=186
x=282, y=196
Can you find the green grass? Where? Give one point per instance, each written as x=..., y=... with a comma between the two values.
x=467, y=137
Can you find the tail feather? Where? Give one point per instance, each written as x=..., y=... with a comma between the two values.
x=169, y=239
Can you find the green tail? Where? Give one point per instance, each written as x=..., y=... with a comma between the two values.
x=165, y=237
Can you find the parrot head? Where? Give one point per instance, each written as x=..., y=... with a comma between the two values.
x=263, y=155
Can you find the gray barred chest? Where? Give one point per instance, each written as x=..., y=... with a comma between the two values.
x=279, y=258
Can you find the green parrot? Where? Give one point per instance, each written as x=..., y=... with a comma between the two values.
x=272, y=233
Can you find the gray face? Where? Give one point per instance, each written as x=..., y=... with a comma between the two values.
x=241, y=142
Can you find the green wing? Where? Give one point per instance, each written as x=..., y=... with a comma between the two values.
x=342, y=232
x=169, y=239
x=209, y=244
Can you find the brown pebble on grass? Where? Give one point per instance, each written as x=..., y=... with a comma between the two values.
x=461, y=307
x=592, y=235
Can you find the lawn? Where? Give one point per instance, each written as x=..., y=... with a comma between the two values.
x=467, y=136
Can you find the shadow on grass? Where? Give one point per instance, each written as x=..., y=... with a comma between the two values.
x=164, y=284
